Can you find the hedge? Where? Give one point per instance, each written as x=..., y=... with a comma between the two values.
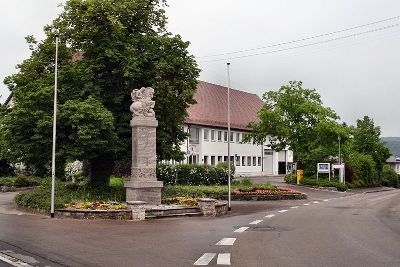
x=188, y=174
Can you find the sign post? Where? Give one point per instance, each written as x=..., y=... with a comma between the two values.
x=324, y=168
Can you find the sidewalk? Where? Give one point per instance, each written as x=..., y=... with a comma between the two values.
x=7, y=205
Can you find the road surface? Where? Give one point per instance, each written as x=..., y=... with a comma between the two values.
x=328, y=229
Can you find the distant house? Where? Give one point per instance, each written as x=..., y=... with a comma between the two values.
x=207, y=126
x=394, y=162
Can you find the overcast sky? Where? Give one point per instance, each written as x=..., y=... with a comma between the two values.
x=356, y=75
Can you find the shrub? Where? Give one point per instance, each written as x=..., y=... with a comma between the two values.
x=66, y=192
x=364, y=168
x=187, y=174
x=290, y=178
x=323, y=183
x=389, y=177
x=7, y=181
x=23, y=181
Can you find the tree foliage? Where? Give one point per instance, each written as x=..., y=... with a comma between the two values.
x=108, y=48
x=367, y=141
x=294, y=117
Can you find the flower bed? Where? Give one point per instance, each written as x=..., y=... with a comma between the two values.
x=183, y=201
x=96, y=205
x=266, y=194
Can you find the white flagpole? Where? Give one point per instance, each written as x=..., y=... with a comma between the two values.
x=53, y=158
x=229, y=141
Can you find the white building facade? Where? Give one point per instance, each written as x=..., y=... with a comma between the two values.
x=208, y=141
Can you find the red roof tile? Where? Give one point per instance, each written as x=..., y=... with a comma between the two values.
x=211, y=107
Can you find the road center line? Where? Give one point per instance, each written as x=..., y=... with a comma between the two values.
x=256, y=222
x=226, y=242
x=326, y=200
x=270, y=216
x=315, y=202
x=241, y=229
x=205, y=259
x=294, y=207
x=224, y=259
x=306, y=204
x=282, y=211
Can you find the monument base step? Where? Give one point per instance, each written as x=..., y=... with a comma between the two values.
x=164, y=211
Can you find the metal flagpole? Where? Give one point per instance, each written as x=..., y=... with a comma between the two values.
x=53, y=157
x=229, y=142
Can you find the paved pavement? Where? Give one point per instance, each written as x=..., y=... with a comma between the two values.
x=350, y=229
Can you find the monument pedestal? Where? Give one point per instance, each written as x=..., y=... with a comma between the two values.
x=143, y=185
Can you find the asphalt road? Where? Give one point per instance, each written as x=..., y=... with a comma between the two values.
x=350, y=229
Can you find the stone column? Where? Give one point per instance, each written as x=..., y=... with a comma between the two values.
x=143, y=185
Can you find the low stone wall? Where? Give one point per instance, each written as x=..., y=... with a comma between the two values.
x=212, y=207
x=95, y=214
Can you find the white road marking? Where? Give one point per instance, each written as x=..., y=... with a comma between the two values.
x=205, y=259
x=294, y=207
x=326, y=200
x=256, y=222
x=270, y=216
x=13, y=261
x=306, y=204
x=224, y=259
x=226, y=242
x=315, y=202
x=282, y=211
x=241, y=229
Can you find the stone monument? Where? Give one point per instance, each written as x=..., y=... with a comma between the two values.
x=143, y=185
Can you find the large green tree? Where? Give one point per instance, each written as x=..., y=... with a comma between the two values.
x=107, y=49
x=367, y=141
x=294, y=117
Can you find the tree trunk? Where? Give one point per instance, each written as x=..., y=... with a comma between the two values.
x=101, y=170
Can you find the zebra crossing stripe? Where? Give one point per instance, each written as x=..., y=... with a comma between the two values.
x=224, y=259
x=205, y=259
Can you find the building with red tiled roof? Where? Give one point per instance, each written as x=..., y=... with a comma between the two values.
x=207, y=125
x=212, y=107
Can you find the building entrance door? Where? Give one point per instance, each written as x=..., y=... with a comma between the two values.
x=268, y=162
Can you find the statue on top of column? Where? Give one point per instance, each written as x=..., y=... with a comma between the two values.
x=143, y=104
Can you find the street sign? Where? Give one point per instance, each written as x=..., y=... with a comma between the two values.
x=324, y=168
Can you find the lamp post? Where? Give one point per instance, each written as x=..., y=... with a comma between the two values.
x=229, y=141
x=53, y=157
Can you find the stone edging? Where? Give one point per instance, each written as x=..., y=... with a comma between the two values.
x=94, y=214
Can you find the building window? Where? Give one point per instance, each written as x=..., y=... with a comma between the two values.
x=267, y=152
x=231, y=137
x=219, y=136
x=205, y=159
x=237, y=137
x=205, y=134
x=213, y=160
x=237, y=160
x=243, y=161
x=259, y=161
x=193, y=159
x=225, y=158
x=226, y=136
x=248, y=161
x=219, y=159
x=254, y=161
x=194, y=135
x=232, y=159
x=212, y=135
